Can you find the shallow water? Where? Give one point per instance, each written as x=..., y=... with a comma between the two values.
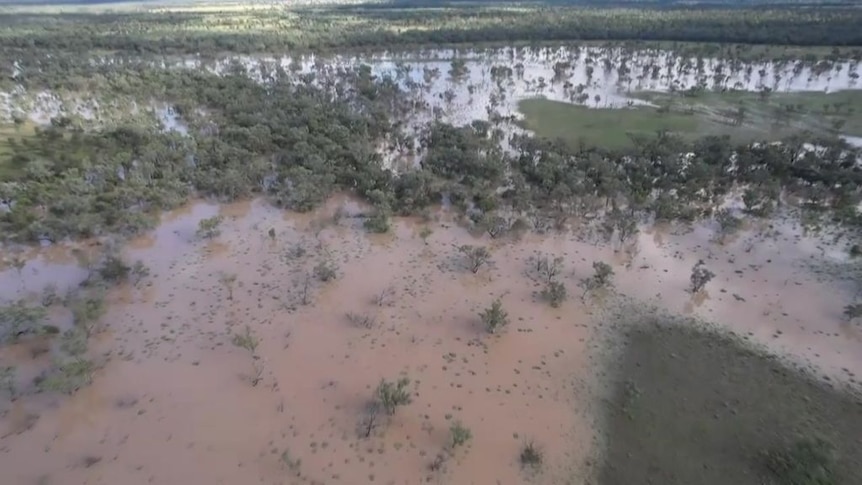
x=592, y=76
x=173, y=403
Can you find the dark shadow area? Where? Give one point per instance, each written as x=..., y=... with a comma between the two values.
x=693, y=406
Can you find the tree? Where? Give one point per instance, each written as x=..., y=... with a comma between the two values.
x=494, y=317
x=548, y=269
x=391, y=395
x=700, y=276
x=477, y=256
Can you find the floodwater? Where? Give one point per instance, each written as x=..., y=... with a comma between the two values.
x=490, y=81
x=173, y=400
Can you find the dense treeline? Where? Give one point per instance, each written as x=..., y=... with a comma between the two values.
x=298, y=142
x=364, y=27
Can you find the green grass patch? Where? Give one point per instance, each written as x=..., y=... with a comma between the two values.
x=744, y=116
x=692, y=405
x=12, y=133
x=610, y=128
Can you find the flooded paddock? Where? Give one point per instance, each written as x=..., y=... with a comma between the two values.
x=174, y=399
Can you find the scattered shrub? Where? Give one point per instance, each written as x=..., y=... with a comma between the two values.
x=391, y=395
x=494, y=317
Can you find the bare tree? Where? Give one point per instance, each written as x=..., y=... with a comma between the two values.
x=227, y=280
x=477, y=256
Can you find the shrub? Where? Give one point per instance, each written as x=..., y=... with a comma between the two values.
x=67, y=377
x=531, y=455
x=114, y=269
x=378, y=222
x=459, y=435
x=361, y=320
x=246, y=340
x=19, y=319
x=209, y=228
x=325, y=271
x=555, y=293
x=390, y=395
x=494, y=317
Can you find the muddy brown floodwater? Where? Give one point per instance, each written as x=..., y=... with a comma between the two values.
x=173, y=401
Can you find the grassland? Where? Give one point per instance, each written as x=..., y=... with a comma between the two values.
x=744, y=116
x=690, y=405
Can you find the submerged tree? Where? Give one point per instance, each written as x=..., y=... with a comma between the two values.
x=700, y=276
x=601, y=278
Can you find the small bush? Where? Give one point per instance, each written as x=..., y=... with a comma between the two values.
x=19, y=319
x=531, y=455
x=393, y=394
x=7, y=380
x=378, y=222
x=209, y=228
x=67, y=377
x=601, y=278
x=325, y=271
x=555, y=293
x=114, y=269
x=361, y=320
x=494, y=317
x=459, y=435
x=246, y=340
